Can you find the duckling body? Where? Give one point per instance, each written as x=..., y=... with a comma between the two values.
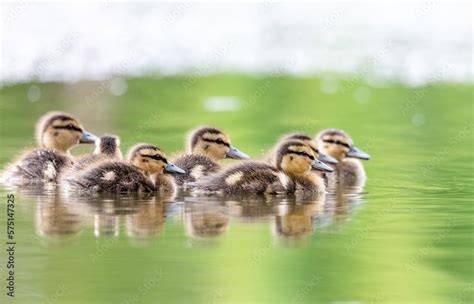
x=142, y=173
x=196, y=166
x=37, y=166
x=164, y=183
x=206, y=146
x=56, y=134
x=292, y=174
x=111, y=176
x=349, y=172
x=107, y=148
x=248, y=177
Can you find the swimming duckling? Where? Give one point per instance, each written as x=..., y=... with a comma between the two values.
x=107, y=147
x=144, y=172
x=206, y=146
x=305, y=138
x=292, y=174
x=349, y=170
x=56, y=133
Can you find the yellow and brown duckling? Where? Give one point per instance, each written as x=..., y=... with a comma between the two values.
x=305, y=138
x=56, y=134
x=349, y=170
x=294, y=161
x=144, y=172
x=206, y=146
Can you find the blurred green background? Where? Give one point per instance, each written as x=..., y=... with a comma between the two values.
x=408, y=239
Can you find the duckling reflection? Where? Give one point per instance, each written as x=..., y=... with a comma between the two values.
x=339, y=209
x=253, y=208
x=106, y=211
x=107, y=222
x=206, y=220
x=294, y=221
x=54, y=217
x=148, y=221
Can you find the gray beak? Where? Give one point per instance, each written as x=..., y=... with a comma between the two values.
x=236, y=154
x=326, y=158
x=319, y=165
x=356, y=153
x=87, y=138
x=172, y=168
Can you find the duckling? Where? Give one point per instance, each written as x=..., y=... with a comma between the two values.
x=107, y=147
x=56, y=134
x=349, y=170
x=144, y=172
x=206, y=146
x=294, y=161
x=305, y=138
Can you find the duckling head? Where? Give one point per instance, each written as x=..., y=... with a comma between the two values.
x=108, y=145
x=151, y=160
x=306, y=139
x=296, y=159
x=339, y=145
x=61, y=131
x=213, y=143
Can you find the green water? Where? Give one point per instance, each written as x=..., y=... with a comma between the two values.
x=407, y=239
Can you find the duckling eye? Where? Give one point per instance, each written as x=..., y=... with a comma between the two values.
x=217, y=141
x=337, y=142
x=70, y=127
x=302, y=153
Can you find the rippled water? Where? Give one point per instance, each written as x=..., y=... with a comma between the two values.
x=407, y=238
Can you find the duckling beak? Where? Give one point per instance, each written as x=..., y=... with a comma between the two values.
x=172, y=168
x=236, y=154
x=319, y=165
x=87, y=138
x=357, y=153
x=326, y=158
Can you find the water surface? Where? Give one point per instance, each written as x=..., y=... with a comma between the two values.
x=407, y=238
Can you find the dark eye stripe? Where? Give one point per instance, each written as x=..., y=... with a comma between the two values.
x=68, y=127
x=337, y=142
x=156, y=157
x=302, y=153
x=217, y=141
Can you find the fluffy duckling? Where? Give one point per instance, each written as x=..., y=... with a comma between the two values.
x=306, y=139
x=349, y=170
x=56, y=134
x=107, y=147
x=206, y=146
x=292, y=174
x=144, y=172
